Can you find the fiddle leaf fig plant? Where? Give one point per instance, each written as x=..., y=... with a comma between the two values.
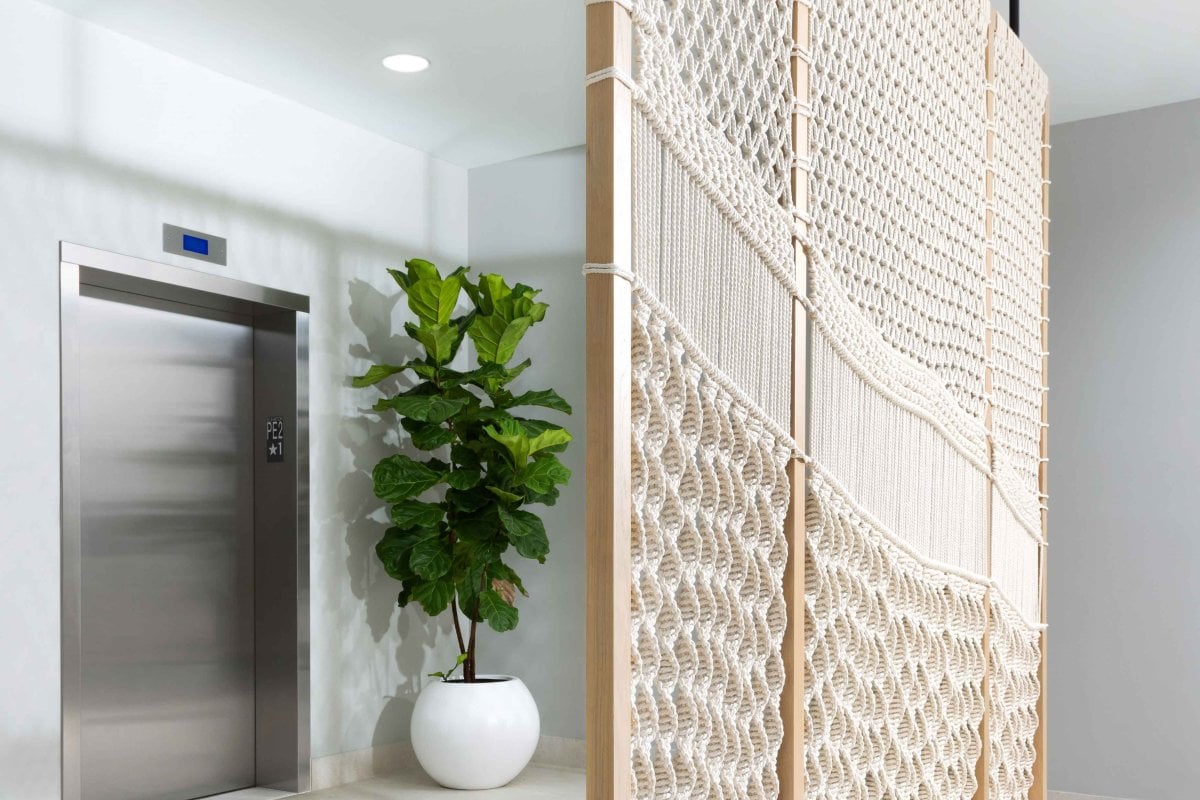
x=460, y=517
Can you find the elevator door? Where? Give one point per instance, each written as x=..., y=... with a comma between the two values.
x=166, y=489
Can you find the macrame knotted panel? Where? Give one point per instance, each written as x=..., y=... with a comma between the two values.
x=1020, y=106
x=713, y=274
x=894, y=664
x=688, y=251
x=710, y=493
x=898, y=160
x=731, y=60
x=896, y=439
x=712, y=239
x=1014, y=658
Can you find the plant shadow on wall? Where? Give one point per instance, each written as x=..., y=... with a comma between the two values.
x=368, y=437
x=458, y=510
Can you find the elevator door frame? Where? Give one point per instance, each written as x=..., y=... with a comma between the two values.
x=281, y=519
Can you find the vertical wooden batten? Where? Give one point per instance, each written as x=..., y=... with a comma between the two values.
x=791, y=755
x=1040, y=773
x=608, y=331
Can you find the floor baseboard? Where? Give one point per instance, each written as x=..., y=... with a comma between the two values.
x=1052, y=795
x=388, y=759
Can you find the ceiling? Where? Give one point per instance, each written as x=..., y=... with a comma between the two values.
x=506, y=78
x=1108, y=56
x=507, y=75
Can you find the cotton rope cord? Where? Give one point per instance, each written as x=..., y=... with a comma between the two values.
x=904, y=382
x=822, y=476
x=898, y=363
x=1020, y=90
x=710, y=496
x=731, y=62
x=1014, y=659
x=697, y=355
x=701, y=265
x=899, y=147
x=894, y=664
x=616, y=73
x=712, y=279
x=687, y=344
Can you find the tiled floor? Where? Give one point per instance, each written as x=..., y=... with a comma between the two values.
x=535, y=783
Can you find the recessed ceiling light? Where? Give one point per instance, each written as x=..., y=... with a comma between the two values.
x=406, y=62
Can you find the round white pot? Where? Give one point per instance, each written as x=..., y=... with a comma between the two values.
x=475, y=735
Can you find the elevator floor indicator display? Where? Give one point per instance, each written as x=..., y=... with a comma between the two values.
x=274, y=439
x=194, y=244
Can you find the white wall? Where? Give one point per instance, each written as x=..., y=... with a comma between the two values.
x=1124, y=597
x=102, y=140
x=527, y=219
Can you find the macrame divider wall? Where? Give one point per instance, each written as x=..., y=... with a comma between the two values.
x=871, y=171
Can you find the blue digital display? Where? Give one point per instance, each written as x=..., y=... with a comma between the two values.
x=194, y=244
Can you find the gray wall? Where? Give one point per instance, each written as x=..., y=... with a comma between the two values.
x=1125, y=455
x=526, y=222
x=102, y=139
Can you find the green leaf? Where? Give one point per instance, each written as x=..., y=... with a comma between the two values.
x=544, y=474
x=504, y=316
x=513, y=372
x=477, y=527
x=376, y=374
x=430, y=297
x=424, y=407
x=463, y=478
x=441, y=341
x=467, y=501
x=430, y=559
x=527, y=533
x=545, y=498
x=395, y=548
x=503, y=495
x=462, y=657
x=430, y=436
x=415, y=514
x=499, y=615
x=510, y=434
x=496, y=338
x=549, y=438
x=546, y=398
x=401, y=278
x=399, y=477
x=533, y=427
x=434, y=596
x=426, y=371
x=464, y=456
x=485, y=414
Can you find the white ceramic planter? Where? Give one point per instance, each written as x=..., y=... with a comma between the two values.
x=475, y=735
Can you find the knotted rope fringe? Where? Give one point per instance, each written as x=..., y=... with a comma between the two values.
x=697, y=355
x=822, y=311
x=844, y=498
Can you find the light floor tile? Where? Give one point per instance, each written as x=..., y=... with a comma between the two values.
x=256, y=793
x=537, y=782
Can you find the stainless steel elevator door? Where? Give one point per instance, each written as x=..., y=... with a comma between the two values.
x=166, y=399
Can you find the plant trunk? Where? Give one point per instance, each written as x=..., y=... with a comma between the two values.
x=469, y=664
x=462, y=647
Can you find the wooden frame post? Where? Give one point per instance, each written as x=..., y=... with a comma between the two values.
x=791, y=754
x=1040, y=774
x=609, y=711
